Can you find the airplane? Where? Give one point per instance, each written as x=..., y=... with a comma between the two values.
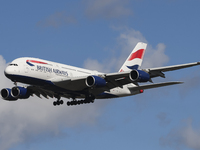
x=55, y=80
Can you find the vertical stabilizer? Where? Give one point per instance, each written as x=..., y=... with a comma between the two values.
x=134, y=60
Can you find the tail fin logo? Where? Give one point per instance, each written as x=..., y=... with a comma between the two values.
x=135, y=58
x=133, y=67
x=138, y=54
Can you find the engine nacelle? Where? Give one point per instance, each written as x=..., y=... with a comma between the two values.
x=20, y=92
x=95, y=81
x=139, y=76
x=6, y=95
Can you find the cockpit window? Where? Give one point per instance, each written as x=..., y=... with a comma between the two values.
x=13, y=65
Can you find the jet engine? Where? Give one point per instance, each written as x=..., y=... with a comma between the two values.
x=139, y=76
x=95, y=81
x=20, y=92
x=6, y=94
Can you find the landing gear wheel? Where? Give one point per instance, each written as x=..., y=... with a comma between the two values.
x=58, y=102
x=61, y=102
x=54, y=103
x=88, y=99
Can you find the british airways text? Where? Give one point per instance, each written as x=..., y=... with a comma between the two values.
x=51, y=70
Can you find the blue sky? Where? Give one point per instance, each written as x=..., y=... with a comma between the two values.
x=99, y=35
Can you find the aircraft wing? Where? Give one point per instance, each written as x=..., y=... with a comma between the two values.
x=155, y=72
x=122, y=78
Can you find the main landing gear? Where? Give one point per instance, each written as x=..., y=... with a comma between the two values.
x=58, y=102
x=78, y=102
x=88, y=99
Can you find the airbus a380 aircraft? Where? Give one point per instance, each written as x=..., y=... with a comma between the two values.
x=51, y=79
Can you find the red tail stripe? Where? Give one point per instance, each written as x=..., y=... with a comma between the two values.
x=137, y=54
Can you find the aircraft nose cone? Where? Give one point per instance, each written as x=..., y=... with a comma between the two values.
x=8, y=71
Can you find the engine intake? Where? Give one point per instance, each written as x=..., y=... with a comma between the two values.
x=97, y=81
x=20, y=92
x=139, y=76
x=6, y=95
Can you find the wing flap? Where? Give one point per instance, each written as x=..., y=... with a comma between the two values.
x=117, y=79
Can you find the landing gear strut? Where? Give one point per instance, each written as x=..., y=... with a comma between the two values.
x=15, y=83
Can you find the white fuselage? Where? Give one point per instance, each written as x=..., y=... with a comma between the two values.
x=28, y=69
x=45, y=70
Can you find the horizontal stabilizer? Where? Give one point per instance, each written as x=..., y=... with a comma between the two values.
x=156, y=85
